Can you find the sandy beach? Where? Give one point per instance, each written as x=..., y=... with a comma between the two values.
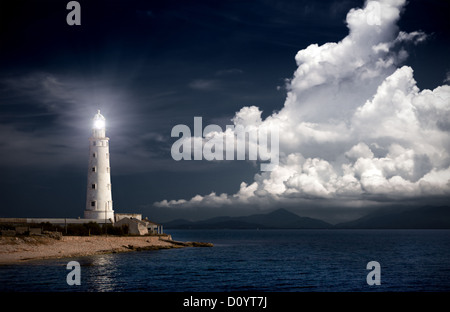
x=15, y=250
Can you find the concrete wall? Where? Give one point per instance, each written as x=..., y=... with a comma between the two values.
x=59, y=221
x=135, y=227
x=120, y=216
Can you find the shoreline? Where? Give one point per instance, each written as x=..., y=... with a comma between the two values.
x=17, y=250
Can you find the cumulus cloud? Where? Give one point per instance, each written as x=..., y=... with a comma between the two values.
x=355, y=127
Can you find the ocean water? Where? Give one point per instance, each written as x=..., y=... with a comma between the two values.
x=256, y=260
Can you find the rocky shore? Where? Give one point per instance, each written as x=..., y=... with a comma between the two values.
x=15, y=250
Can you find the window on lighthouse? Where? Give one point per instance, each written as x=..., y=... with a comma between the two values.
x=93, y=203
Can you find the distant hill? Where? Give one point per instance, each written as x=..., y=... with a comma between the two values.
x=426, y=217
x=416, y=218
x=278, y=219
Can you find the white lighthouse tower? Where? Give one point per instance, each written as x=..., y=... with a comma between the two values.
x=99, y=198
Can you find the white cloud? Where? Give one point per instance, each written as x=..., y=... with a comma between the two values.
x=354, y=127
x=248, y=116
x=203, y=84
x=447, y=78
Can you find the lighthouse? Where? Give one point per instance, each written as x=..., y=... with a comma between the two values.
x=99, y=195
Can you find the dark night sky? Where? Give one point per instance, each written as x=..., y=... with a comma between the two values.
x=150, y=65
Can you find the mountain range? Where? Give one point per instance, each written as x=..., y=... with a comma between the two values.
x=426, y=217
x=418, y=218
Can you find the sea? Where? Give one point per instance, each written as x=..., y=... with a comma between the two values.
x=256, y=260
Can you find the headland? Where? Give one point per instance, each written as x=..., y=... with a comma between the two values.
x=18, y=249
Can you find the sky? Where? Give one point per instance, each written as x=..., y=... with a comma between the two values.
x=358, y=91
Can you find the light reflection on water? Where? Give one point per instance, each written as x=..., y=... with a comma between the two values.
x=102, y=274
